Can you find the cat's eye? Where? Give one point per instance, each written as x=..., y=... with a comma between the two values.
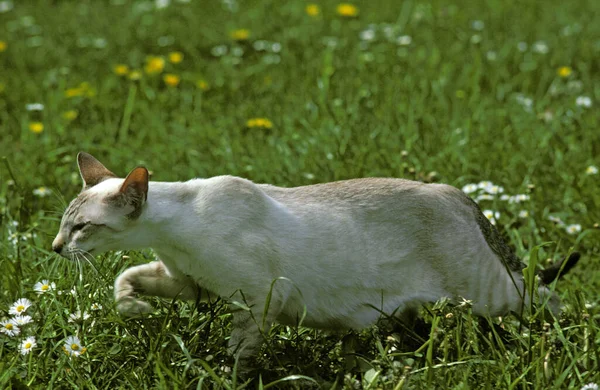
x=79, y=226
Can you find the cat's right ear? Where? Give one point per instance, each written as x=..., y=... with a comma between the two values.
x=91, y=170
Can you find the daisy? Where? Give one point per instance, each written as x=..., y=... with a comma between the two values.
x=484, y=197
x=591, y=170
x=470, y=188
x=9, y=327
x=583, y=101
x=573, y=229
x=27, y=345
x=491, y=215
x=73, y=346
x=96, y=306
x=22, y=320
x=41, y=192
x=78, y=316
x=20, y=306
x=44, y=286
x=523, y=214
x=404, y=40
x=34, y=107
x=590, y=386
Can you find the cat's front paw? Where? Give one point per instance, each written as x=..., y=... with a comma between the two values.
x=131, y=307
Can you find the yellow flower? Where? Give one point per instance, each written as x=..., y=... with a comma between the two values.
x=172, y=80
x=175, y=57
x=69, y=115
x=203, y=85
x=259, y=122
x=241, y=34
x=83, y=89
x=3, y=46
x=313, y=10
x=121, y=69
x=36, y=127
x=72, y=92
x=564, y=71
x=135, y=75
x=154, y=65
x=347, y=10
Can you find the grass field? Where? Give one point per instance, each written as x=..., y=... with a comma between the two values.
x=293, y=93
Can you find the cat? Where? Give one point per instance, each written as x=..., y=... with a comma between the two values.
x=337, y=255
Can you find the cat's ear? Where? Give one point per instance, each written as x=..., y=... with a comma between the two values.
x=135, y=188
x=91, y=170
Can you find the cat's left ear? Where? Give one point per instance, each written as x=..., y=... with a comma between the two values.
x=135, y=189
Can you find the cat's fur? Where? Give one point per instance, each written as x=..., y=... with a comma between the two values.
x=344, y=251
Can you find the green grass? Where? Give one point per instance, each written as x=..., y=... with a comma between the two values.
x=451, y=107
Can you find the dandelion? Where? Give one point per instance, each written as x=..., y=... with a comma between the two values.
x=347, y=10
x=20, y=306
x=491, y=215
x=175, y=57
x=154, y=65
x=591, y=170
x=590, y=386
x=41, y=192
x=135, y=75
x=470, y=188
x=573, y=228
x=172, y=80
x=96, y=307
x=27, y=345
x=36, y=127
x=583, y=101
x=34, y=107
x=3, y=46
x=241, y=34
x=82, y=89
x=523, y=214
x=564, y=71
x=201, y=84
x=312, y=10
x=22, y=320
x=121, y=69
x=73, y=346
x=9, y=327
x=69, y=115
x=259, y=122
x=79, y=316
x=44, y=286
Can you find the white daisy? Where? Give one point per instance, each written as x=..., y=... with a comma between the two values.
x=9, y=327
x=22, y=320
x=540, y=47
x=20, y=306
x=73, y=346
x=34, y=107
x=573, y=229
x=44, y=286
x=41, y=192
x=404, y=40
x=583, y=101
x=484, y=184
x=484, y=197
x=556, y=220
x=590, y=386
x=494, y=189
x=96, y=306
x=491, y=215
x=523, y=214
x=78, y=316
x=591, y=170
x=27, y=345
x=470, y=188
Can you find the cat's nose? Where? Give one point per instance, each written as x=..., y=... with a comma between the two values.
x=57, y=248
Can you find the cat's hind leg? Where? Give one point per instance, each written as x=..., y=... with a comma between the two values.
x=151, y=279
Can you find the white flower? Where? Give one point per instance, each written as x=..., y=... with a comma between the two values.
x=491, y=215
x=27, y=345
x=494, y=189
x=44, y=286
x=477, y=25
x=367, y=35
x=590, y=386
x=573, y=228
x=523, y=214
x=34, y=107
x=540, y=47
x=22, y=320
x=78, y=316
x=41, y=192
x=96, y=306
x=491, y=55
x=470, y=188
x=20, y=306
x=9, y=327
x=484, y=197
x=518, y=198
x=404, y=40
x=591, y=170
x=73, y=346
x=160, y=4
x=556, y=220
x=5, y=6
x=583, y=101
x=484, y=184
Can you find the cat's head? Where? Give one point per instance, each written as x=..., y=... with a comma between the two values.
x=103, y=215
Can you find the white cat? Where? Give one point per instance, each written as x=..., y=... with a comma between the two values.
x=343, y=251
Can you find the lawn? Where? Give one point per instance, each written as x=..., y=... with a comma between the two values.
x=497, y=97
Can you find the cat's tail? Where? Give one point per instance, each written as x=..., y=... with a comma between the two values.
x=559, y=269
